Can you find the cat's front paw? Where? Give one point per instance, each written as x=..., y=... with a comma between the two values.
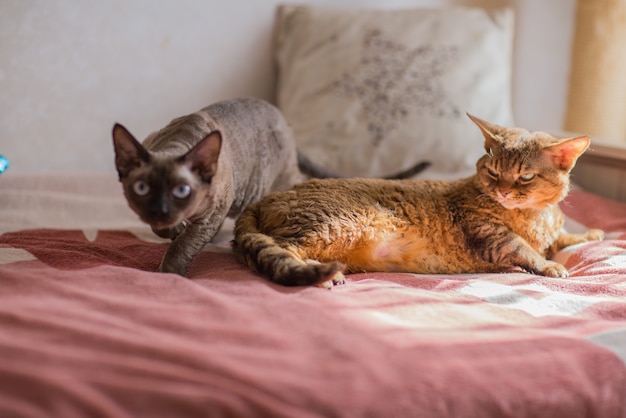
x=553, y=269
x=595, y=235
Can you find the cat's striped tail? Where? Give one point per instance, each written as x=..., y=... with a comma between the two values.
x=262, y=254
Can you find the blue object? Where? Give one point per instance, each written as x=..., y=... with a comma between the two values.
x=4, y=164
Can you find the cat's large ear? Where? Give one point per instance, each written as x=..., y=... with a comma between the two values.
x=489, y=130
x=129, y=153
x=202, y=158
x=565, y=153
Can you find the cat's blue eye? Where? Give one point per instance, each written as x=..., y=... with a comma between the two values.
x=141, y=188
x=527, y=177
x=182, y=191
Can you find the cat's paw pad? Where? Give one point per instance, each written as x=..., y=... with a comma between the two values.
x=595, y=235
x=337, y=279
x=553, y=269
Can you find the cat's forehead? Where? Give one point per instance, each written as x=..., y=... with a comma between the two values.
x=513, y=138
x=162, y=170
x=521, y=140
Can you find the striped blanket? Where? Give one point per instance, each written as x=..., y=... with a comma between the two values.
x=88, y=329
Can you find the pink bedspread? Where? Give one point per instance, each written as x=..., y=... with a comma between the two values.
x=87, y=329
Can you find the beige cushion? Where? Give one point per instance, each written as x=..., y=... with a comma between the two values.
x=370, y=92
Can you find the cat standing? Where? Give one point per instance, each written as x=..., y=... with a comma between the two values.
x=185, y=179
x=505, y=217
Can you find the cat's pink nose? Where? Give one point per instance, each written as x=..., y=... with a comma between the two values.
x=505, y=193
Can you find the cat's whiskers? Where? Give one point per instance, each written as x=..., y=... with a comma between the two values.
x=483, y=196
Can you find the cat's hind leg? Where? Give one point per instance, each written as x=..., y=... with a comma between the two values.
x=565, y=239
x=282, y=264
x=337, y=279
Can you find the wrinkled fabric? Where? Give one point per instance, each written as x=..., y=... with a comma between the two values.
x=88, y=329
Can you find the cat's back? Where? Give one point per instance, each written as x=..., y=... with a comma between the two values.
x=237, y=119
x=260, y=147
x=374, y=189
x=252, y=128
x=345, y=197
x=242, y=114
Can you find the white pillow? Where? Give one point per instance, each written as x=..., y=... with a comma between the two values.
x=371, y=92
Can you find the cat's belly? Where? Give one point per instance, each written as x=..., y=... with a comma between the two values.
x=400, y=254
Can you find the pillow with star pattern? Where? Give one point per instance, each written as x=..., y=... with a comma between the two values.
x=371, y=92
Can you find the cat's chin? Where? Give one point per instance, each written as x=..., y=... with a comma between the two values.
x=526, y=204
x=170, y=232
x=509, y=204
x=162, y=224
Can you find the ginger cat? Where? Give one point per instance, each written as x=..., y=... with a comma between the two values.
x=505, y=217
x=185, y=179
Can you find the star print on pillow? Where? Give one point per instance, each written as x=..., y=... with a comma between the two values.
x=370, y=92
x=392, y=81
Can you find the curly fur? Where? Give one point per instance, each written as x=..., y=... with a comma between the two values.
x=504, y=217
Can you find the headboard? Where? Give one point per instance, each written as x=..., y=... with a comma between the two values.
x=602, y=169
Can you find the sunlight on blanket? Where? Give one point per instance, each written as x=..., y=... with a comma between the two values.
x=513, y=297
x=614, y=340
x=617, y=261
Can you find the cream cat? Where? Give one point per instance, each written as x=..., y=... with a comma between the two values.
x=505, y=217
x=185, y=179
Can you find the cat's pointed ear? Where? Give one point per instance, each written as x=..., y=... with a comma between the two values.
x=489, y=130
x=129, y=153
x=565, y=153
x=202, y=158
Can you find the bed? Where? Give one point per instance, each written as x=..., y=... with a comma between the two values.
x=89, y=329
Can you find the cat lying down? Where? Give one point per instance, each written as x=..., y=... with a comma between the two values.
x=504, y=217
x=185, y=179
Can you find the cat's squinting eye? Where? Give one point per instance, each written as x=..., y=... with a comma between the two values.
x=492, y=173
x=141, y=188
x=527, y=177
x=181, y=191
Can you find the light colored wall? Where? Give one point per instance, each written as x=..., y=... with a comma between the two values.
x=70, y=68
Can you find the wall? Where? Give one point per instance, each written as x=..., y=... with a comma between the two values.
x=70, y=68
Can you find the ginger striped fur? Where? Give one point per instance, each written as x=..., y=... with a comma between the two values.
x=505, y=217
